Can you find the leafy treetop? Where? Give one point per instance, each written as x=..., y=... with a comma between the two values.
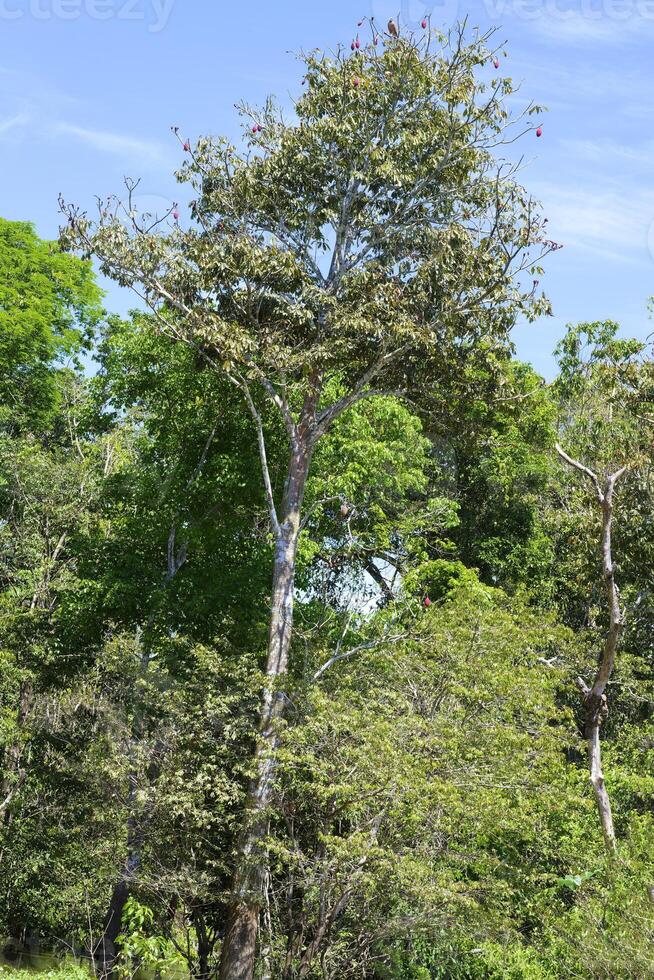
x=49, y=305
x=368, y=237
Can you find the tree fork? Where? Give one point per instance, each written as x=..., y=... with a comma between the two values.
x=238, y=955
x=595, y=699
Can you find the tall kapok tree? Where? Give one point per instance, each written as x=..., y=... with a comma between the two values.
x=606, y=416
x=376, y=239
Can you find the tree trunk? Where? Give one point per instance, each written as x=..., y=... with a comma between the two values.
x=14, y=774
x=112, y=925
x=597, y=781
x=240, y=942
x=204, y=948
x=595, y=700
x=113, y=919
x=322, y=930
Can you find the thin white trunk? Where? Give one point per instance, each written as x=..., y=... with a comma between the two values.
x=239, y=945
x=595, y=699
x=599, y=787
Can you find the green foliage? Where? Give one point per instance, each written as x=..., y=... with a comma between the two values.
x=433, y=242
x=353, y=273
x=49, y=307
x=432, y=815
x=432, y=771
x=369, y=502
x=140, y=950
x=502, y=461
x=428, y=780
x=440, y=579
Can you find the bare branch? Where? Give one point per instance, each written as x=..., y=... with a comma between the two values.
x=594, y=697
x=263, y=456
x=582, y=469
x=359, y=391
x=373, y=644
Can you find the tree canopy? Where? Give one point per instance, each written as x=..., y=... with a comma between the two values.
x=49, y=306
x=325, y=622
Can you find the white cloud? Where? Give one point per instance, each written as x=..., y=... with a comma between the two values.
x=118, y=144
x=610, y=153
x=575, y=27
x=573, y=81
x=31, y=109
x=13, y=122
x=583, y=22
x=601, y=219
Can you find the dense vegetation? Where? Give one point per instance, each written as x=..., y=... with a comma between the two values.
x=311, y=637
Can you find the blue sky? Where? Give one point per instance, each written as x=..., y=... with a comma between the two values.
x=90, y=88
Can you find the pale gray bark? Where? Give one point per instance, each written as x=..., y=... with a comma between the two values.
x=14, y=773
x=238, y=956
x=239, y=947
x=595, y=697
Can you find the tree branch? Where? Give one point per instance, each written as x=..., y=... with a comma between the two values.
x=371, y=645
x=359, y=391
x=582, y=469
x=263, y=456
x=595, y=701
